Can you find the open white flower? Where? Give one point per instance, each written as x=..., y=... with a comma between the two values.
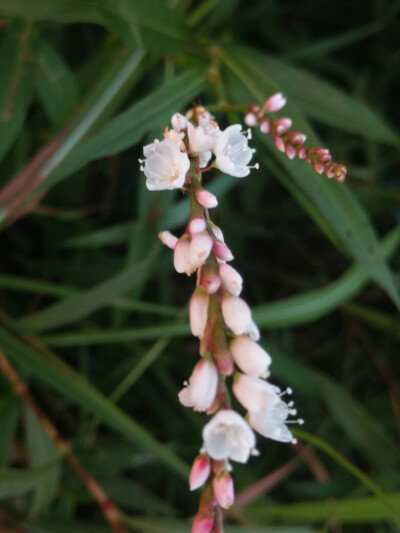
x=165, y=165
x=272, y=424
x=228, y=436
x=233, y=153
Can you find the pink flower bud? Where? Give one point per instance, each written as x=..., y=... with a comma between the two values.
x=279, y=143
x=250, y=119
x=200, y=471
x=250, y=357
x=231, y=279
x=302, y=153
x=275, y=103
x=206, y=199
x=211, y=282
x=200, y=248
x=265, y=126
x=179, y=122
x=198, y=311
x=224, y=491
x=290, y=151
x=168, y=239
x=254, y=108
x=181, y=256
x=297, y=138
x=282, y=125
x=340, y=172
x=202, y=523
x=201, y=389
x=329, y=173
x=221, y=251
x=236, y=314
x=318, y=167
x=196, y=225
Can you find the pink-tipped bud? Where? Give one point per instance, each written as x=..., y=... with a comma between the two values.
x=290, y=151
x=231, y=279
x=236, y=314
x=199, y=249
x=224, y=491
x=254, y=108
x=196, y=225
x=168, y=239
x=265, y=126
x=318, y=167
x=279, y=143
x=181, y=256
x=179, y=122
x=329, y=173
x=282, y=125
x=340, y=172
x=221, y=251
x=275, y=103
x=297, y=138
x=302, y=153
x=200, y=471
x=202, y=523
x=198, y=311
x=206, y=199
x=211, y=282
x=250, y=120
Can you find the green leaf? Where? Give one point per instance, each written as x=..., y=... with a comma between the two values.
x=56, y=84
x=109, y=236
x=314, y=97
x=9, y=413
x=387, y=324
x=16, y=482
x=41, y=451
x=84, y=303
x=352, y=510
x=314, y=304
x=335, y=201
x=16, y=82
x=125, y=18
x=130, y=126
x=58, y=375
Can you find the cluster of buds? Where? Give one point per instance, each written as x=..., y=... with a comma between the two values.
x=292, y=143
x=230, y=356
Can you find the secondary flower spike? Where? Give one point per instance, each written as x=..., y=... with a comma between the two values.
x=219, y=316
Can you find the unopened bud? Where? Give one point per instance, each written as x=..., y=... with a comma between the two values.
x=200, y=471
x=265, y=126
x=275, y=103
x=250, y=119
x=179, y=122
x=196, y=225
x=181, y=256
x=202, y=523
x=290, y=151
x=198, y=311
x=206, y=199
x=199, y=249
x=231, y=279
x=236, y=314
x=279, y=143
x=221, y=251
x=168, y=239
x=318, y=167
x=283, y=125
x=224, y=490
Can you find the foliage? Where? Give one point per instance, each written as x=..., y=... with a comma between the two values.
x=92, y=314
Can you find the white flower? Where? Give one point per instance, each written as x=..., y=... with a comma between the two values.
x=200, y=392
x=204, y=158
x=250, y=357
x=165, y=165
x=272, y=424
x=233, y=153
x=179, y=122
x=228, y=436
x=204, y=137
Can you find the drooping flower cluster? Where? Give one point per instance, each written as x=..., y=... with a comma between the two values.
x=292, y=143
x=219, y=317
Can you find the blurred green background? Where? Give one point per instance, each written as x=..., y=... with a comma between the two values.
x=91, y=308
